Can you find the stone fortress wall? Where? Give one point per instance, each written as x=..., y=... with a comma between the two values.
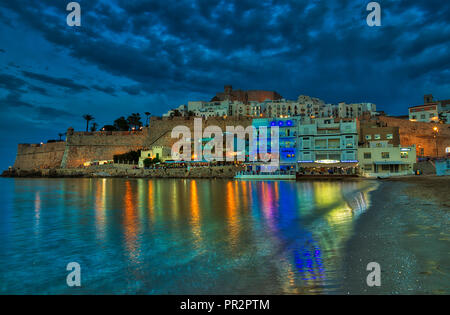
x=421, y=134
x=81, y=147
x=39, y=156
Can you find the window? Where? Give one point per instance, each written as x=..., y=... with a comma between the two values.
x=389, y=136
x=377, y=137
x=368, y=137
x=404, y=155
x=422, y=116
x=385, y=155
x=385, y=167
x=368, y=167
x=367, y=155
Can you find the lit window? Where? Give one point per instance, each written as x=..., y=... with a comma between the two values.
x=368, y=137
x=377, y=137
x=389, y=136
x=385, y=155
x=404, y=155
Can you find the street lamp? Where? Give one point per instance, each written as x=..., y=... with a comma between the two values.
x=436, y=133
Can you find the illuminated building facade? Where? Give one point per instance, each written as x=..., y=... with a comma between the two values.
x=431, y=111
x=327, y=144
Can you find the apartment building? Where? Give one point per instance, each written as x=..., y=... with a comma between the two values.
x=287, y=128
x=210, y=109
x=431, y=111
x=380, y=153
x=328, y=144
x=304, y=107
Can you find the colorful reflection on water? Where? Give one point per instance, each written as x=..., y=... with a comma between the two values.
x=177, y=236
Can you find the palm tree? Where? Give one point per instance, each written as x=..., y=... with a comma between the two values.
x=61, y=135
x=88, y=118
x=148, y=115
x=94, y=127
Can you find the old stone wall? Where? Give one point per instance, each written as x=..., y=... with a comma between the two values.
x=41, y=156
x=421, y=135
x=81, y=147
x=85, y=146
x=107, y=171
x=161, y=129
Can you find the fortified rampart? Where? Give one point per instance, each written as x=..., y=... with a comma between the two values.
x=91, y=146
x=161, y=129
x=81, y=147
x=32, y=156
x=422, y=135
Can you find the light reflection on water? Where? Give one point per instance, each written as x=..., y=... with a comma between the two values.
x=177, y=236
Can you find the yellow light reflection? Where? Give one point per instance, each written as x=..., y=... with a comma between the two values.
x=100, y=199
x=151, y=201
x=130, y=223
x=195, y=216
x=232, y=218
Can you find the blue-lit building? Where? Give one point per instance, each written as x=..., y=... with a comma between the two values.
x=287, y=139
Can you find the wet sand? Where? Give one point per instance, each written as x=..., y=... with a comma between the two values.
x=407, y=231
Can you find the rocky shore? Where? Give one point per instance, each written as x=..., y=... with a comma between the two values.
x=129, y=172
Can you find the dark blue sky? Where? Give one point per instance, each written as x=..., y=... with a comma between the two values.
x=151, y=55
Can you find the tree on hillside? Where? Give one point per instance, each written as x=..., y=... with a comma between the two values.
x=121, y=124
x=135, y=120
x=175, y=113
x=94, y=127
x=88, y=118
x=148, y=114
x=109, y=128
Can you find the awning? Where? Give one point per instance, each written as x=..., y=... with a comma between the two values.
x=327, y=165
x=390, y=162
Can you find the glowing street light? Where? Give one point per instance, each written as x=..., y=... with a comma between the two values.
x=436, y=132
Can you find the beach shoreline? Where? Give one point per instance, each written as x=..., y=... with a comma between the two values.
x=405, y=230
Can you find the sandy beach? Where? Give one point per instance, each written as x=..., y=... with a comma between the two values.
x=407, y=231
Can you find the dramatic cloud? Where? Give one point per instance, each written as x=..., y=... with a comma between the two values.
x=61, y=82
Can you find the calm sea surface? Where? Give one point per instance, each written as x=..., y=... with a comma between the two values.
x=176, y=236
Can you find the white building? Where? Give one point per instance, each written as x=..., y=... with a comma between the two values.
x=385, y=161
x=327, y=143
x=304, y=106
x=209, y=109
x=431, y=111
x=180, y=110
